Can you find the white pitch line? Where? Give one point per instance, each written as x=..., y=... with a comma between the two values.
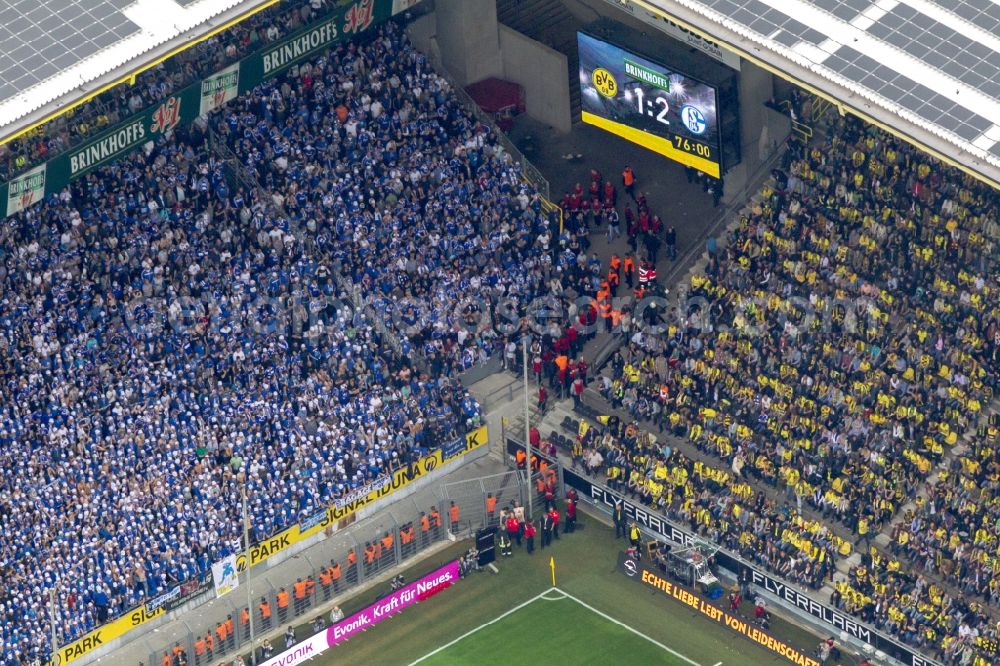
x=566, y=595
x=634, y=631
x=484, y=625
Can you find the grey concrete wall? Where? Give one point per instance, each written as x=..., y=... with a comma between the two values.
x=756, y=88
x=467, y=37
x=757, y=128
x=423, y=33
x=542, y=72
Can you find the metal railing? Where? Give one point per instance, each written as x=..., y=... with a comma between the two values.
x=801, y=129
x=302, y=590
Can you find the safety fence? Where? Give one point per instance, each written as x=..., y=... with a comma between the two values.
x=343, y=565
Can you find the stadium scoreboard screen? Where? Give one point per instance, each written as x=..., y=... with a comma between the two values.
x=649, y=104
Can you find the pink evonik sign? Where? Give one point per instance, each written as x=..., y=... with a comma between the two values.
x=380, y=610
x=392, y=604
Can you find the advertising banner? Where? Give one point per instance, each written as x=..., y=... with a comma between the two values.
x=389, y=605
x=639, y=572
x=103, y=635
x=382, y=609
x=225, y=576
x=26, y=189
x=342, y=23
x=219, y=88
x=300, y=652
x=649, y=104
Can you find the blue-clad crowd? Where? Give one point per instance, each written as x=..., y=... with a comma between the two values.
x=414, y=199
x=167, y=336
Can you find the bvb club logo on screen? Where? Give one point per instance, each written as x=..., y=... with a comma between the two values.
x=605, y=82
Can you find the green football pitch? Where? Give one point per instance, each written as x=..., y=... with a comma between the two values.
x=554, y=627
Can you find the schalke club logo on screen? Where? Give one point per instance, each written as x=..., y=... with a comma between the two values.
x=694, y=119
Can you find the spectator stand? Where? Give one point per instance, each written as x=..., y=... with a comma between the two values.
x=316, y=563
x=155, y=83
x=181, y=207
x=528, y=170
x=275, y=206
x=797, y=599
x=957, y=378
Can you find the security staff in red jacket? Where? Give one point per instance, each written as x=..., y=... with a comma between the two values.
x=514, y=529
x=529, y=536
x=554, y=515
x=570, y=515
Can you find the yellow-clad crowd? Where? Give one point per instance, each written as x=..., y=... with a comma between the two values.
x=716, y=502
x=839, y=346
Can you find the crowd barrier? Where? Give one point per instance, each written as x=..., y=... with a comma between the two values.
x=837, y=621
x=468, y=495
x=280, y=544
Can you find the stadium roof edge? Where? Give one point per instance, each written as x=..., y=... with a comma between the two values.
x=847, y=95
x=61, y=99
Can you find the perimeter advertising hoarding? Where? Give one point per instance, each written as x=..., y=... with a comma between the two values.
x=639, y=572
x=655, y=522
x=649, y=104
x=363, y=620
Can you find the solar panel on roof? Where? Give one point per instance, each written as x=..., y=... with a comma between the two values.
x=45, y=36
x=846, y=10
x=947, y=43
